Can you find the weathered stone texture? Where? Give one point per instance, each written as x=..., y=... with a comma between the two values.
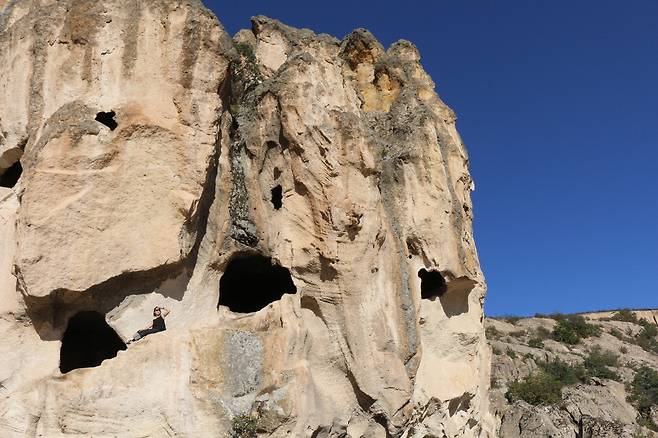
x=374, y=189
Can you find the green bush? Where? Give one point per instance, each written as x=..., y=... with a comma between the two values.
x=244, y=426
x=518, y=334
x=572, y=328
x=511, y=319
x=543, y=333
x=537, y=389
x=544, y=387
x=536, y=343
x=563, y=372
x=647, y=338
x=624, y=315
x=617, y=334
x=597, y=362
x=491, y=332
x=644, y=394
x=511, y=353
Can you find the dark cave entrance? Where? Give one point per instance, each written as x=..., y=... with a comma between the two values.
x=432, y=284
x=10, y=177
x=277, y=197
x=107, y=119
x=250, y=282
x=88, y=341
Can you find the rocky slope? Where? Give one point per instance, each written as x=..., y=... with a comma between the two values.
x=594, y=404
x=300, y=203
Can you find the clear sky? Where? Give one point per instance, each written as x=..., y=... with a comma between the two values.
x=558, y=106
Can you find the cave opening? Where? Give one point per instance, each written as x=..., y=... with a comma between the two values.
x=88, y=341
x=251, y=281
x=277, y=197
x=10, y=176
x=432, y=284
x=107, y=119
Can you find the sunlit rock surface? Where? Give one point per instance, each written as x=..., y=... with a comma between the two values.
x=324, y=179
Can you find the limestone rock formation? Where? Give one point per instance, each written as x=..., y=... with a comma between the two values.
x=590, y=408
x=300, y=203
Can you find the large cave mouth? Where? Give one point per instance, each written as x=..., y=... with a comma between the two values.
x=88, y=341
x=432, y=284
x=10, y=176
x=251, y=282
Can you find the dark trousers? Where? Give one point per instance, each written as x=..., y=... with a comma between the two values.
x=141, y=333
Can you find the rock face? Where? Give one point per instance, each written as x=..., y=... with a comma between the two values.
x=596, y=407
x=301, y=205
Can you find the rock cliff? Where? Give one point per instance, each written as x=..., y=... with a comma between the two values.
x=300, y=203
x=605, y=382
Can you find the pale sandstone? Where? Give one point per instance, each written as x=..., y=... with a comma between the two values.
x=375, y=187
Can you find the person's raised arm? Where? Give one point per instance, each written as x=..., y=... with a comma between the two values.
x=164, y=311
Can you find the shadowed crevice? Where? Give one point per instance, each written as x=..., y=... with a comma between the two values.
x=88, y=341
x=251, y=281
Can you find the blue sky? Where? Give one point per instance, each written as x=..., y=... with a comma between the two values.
x=558, y=106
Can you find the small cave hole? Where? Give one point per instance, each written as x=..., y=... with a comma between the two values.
x=107, y=119
x=88, y=341
x=10, y=176
x=276, y=173
x=432, y=284
x=251, y=282
x=277, y=197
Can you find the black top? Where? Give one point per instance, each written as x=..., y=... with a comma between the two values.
x=158, y=324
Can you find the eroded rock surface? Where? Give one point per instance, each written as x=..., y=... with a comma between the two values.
x=155, y=152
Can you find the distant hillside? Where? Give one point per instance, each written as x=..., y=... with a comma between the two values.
x=588, y=375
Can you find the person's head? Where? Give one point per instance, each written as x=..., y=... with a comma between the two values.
x=156, y=311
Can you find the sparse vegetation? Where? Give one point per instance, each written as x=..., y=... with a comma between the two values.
x=511, y=319
x=536, y=343
x=617, y=334
x=623, y=349
x=597, y=362
x=647, y=337
x=563, y=372
x=244, y=426
x=537, y=389
x=491, y=332
x=511, y=353
x=624, y=315
x=518, y=334
x=644, y=395
x=571, y=329
x=544, y=386
x=543, y=333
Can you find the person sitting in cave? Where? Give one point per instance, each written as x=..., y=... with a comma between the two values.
x=158, y=324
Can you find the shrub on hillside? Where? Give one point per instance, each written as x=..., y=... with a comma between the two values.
x=543, y=333
x=537, y=389
x=518, y=334
x=564, y=372
x=624, y=315
x=597, y=362
x=647, y=337
x=644, y=394
x=571, y=329
x=491, y=332
x=244, y=426
x=544, y=386
x=536, y=343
